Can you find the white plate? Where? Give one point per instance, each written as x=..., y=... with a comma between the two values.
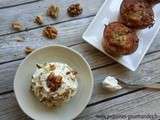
x=108, y=13
x=31, y=106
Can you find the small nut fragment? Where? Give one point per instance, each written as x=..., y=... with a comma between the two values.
x=73, y=72
x=74, y=10
x=19, y=39
x=16, y=25
x=38, y=66
x=52, y=66
x=53, y=11
x=39, y=20
x=28, y=50
x=67, y=73
x=50, y=32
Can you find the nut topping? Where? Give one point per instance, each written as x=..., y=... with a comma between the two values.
x=38, y=66
x=54, y=81
x=50, y=32
x=67, y=73
x=73, y=72
x=74, y=10
x=53, y=11
x=52, y=66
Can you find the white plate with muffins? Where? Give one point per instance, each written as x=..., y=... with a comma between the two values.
x=53, y=83
x=125, y=29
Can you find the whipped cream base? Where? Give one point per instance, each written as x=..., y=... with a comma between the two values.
x=63, y=94
x=111, y=83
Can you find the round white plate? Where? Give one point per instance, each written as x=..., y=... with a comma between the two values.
x=57, y=53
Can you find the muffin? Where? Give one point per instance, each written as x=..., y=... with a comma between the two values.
x=54, y=83
x=136, y=14
x=119, y=39
x=153, y=1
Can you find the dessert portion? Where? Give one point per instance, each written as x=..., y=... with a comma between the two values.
x=136, y=13
x=54, y=83
x=119, y=39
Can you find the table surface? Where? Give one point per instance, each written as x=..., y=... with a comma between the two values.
x=103, y=104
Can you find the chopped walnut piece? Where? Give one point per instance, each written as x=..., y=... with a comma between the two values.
x=74, y=10
x=19, y=39
x=28, y=50
x=74, y=72
x=53, y=11
x=38, y=66
x=50, y=32
x=67, y=73
x=17, y=25
x=39, y=20
x=52, y=66
x=54, y=81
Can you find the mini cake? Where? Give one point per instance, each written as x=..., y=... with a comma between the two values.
x=119, y=39
x=54, y=83
x=136, y=14
x=153, y=1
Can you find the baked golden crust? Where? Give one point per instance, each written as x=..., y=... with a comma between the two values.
x=136, y=14
x=153, y=1
x=119, y=39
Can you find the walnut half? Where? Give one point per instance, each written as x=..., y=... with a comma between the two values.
x=74, y=10
x=54, y=81
x=50, y=32
x=53, y=11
